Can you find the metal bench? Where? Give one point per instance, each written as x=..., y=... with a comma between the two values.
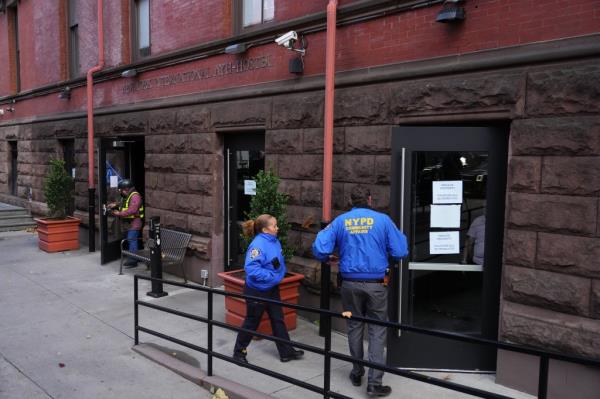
x=173, y=246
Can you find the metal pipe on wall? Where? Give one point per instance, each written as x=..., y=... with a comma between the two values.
x=324, y=325
x=90, y=125
x=329, y=100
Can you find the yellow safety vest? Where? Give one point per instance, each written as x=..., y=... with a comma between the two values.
x=140, y=213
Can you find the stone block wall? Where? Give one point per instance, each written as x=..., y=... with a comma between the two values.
x=551, y=275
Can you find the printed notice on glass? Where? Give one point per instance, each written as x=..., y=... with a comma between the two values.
x=250, y=187
x=445, y=242
x=447, y=192
x=447, y=216
x=114, y=181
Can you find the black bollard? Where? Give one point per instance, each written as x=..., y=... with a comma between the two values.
x=155, y=258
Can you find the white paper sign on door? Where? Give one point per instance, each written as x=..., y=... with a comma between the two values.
x=250, y=187
x=114, y=181
x=446, y=216
x=447, y=192
x=444, y=242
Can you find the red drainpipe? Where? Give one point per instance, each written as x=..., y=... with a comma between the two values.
x=90, y=121
x=329, y=97
x=325, y=322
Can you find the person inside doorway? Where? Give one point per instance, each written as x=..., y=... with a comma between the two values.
x=265, y=268
x=475, y=242
x=130, y=211
x=364, y=238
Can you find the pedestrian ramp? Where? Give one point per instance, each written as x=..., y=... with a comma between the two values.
x=14, y=218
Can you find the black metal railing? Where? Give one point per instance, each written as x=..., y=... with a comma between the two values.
x=327, y=352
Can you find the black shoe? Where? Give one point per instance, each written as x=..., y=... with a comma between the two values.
x=240, y=356
x=294, y=355
x=356, y=379
x=130, y=264
x=379, y=390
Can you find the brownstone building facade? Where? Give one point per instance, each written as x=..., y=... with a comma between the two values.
x=195, y=121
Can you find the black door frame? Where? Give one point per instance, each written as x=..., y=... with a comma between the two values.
x=250, y=140
x=405, y=346
x=111, y=250
x=14, y=167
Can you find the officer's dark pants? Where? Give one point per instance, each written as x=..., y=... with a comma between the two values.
x=254, y=312
x=366, y=299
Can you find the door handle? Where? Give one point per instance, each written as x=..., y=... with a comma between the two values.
x=104, y=209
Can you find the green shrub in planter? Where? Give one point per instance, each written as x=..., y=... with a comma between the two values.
x=58, y=189
x=268, y=200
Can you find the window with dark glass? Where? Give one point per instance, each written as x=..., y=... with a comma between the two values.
x=141, y=28
x=14, y=50
x=253, y=12
x=74, y=65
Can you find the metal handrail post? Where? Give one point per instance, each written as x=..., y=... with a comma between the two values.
x=327, y=357
x=135, y=310
x=543, y=377
x=210, y=333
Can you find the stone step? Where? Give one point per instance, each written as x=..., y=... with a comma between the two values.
x=13, y=212
x=17, y=226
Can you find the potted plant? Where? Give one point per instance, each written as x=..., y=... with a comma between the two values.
x=267, y=200
x=58, y=232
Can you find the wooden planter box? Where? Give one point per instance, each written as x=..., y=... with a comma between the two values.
x=57, y=235
x=236, y=307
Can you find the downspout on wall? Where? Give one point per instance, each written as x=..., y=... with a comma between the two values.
x=90, y=125
x=329, y=101
x=325, y=321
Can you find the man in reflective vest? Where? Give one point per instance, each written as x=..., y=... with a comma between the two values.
x=131, y=210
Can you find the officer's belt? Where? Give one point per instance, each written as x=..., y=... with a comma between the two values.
x=363, y=280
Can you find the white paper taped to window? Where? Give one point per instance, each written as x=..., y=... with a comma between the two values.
x=447, y=192
x=444, y=242
x=446, y=216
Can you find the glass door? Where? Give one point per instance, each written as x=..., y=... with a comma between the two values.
x=244, y=158
x=119, y=158
x=449, y=185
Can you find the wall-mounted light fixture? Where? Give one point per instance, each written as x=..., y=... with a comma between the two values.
x=451, y=11
x=65, y=94
x=237, y=48
x=129, y=73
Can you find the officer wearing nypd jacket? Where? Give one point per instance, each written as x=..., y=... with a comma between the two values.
x=265, y=268
x=364, y=239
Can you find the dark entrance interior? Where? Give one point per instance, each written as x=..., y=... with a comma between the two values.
x=244, y=158
x=12, y=177
x=119, y=158
x=68, y=150
x=448, y=196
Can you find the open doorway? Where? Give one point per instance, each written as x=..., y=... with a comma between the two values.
x=119, y=158
x=244, y=158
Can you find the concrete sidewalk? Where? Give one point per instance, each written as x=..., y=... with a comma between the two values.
x=66, y=328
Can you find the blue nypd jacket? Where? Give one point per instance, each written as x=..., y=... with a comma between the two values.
x=364, y=238
x=261, y=275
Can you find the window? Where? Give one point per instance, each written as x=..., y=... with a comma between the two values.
x=253, y=12
x=141, y=29
x=74, y=65
x=14, y=50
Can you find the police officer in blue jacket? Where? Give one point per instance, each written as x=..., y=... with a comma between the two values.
x=265, y=268
x=364, y=239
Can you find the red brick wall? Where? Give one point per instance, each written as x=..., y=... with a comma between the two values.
x=181, y=23
x=402, y=37
x=39, y=43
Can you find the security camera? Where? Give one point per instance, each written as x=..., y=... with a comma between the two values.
x=287, y=40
